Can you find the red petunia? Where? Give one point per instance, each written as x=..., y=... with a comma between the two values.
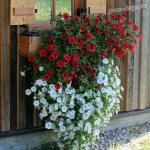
x=51, y=40
x=75, y=57
x=87, y=19
x=90, y=47
x=82, y=28
x=65, y=75
x=64, y=36
x=89, y=36
x=106, y=32
x=48, y=48
x=66, y=16
x=67, y=57
x=55, y=55
x=97, y=29
x=124, y=45
x=75, y=18
x=120, y=53
x=96, y=20
x=140, y=36
x=102, y=54
x=79, y=42
x=53, y=47
x=71, y=40
x=91, y=73
x=30, y=58
x=43, y=53
x=68, y=27
x=75, y=64
x=60, y=63
x=57, y=86
x=35, y=65
x=50, y=71
x=46, y=77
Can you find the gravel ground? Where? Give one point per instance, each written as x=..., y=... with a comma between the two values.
x=119, y=136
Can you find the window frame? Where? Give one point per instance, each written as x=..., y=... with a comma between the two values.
x=47, y=23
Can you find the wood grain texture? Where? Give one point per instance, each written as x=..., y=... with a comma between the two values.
x=23, y=19
x=4, y=66
x=96, y=6
x=23, y=11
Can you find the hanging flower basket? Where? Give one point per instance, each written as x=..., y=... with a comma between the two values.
x=76, y=84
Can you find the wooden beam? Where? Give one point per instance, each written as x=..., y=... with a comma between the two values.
x=4, y=66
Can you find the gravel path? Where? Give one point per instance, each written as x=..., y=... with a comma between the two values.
x=119, y=136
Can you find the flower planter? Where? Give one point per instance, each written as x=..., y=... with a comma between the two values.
x=28, y=44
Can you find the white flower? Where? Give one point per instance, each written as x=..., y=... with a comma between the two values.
x=61, y=124
x=44, y=83
x=96, y=132
x=62, y=129
x=88, y=93
x=64, y=109
x=48, y=125
x=34, y=97
x=39, y=82
x=40, y=68
x=43, y=113
x=28, y=92
x=59, y=100
x=22, y=73
x=52, y=87
x=105, y=61
x=44, y=89
x=53, y=94
x=88, y=127
x=51, y=109
x=44, y=102
x=33, y=89
x=99, y=104
x=36, y=103
x=56, y=106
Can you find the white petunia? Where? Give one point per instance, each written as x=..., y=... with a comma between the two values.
x=48, y=125
x=62, y=128
x=33, y=89
x=22, y=73
x=56, y=106
x=52, y=87
x=39, y=82
x=88, y=127
x=59, y=100
x=44, y=83
x=105, y=61
x=53, y=94
x=44, y=102
x=36, y=103
x=40, y=68
x=64, y=109
x=28, y=92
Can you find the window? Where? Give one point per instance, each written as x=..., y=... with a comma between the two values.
x=48, y=9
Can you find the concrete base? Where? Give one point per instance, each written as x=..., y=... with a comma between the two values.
x=38, y=140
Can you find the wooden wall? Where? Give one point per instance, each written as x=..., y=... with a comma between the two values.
x=16, y=109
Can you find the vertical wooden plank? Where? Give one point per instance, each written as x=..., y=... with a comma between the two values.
x=4, y=66
x=143, y=57
x=13, y=78
x=78, y=4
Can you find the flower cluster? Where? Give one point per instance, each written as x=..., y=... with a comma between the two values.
x=77, y=86
x=77, y=115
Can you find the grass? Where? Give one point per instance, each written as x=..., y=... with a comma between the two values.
x=44, y=8
x=141, y=143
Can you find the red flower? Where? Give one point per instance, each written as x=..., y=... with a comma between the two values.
x=53, y=46
x=120, y=53
x=46, y=77
x=65, y=75
x=43, y=53
x=50, y=71
x=87, y=20
x=60, y=63
x=48, y=48
x=66, y=16
x=96, y=20
x=124, y=45
x=75, y=57
x=64, y=36
x=90, y=47
x=97, y=29
x=140, y=36
x=82, y=28
x=100, y=86
x=91, y=73
x=102, y=54
x=132, y=47
x=89, y=36
x=75, y=64
x=106, y=32
x=57, y=86
x=80, y=42
x=55, y=55
x=71, y=40
x=67, y=57
x=35, y=65
x=51, y=40
x=68, y=27
x=75, y=18
x=135, y=27
x=30, y=58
